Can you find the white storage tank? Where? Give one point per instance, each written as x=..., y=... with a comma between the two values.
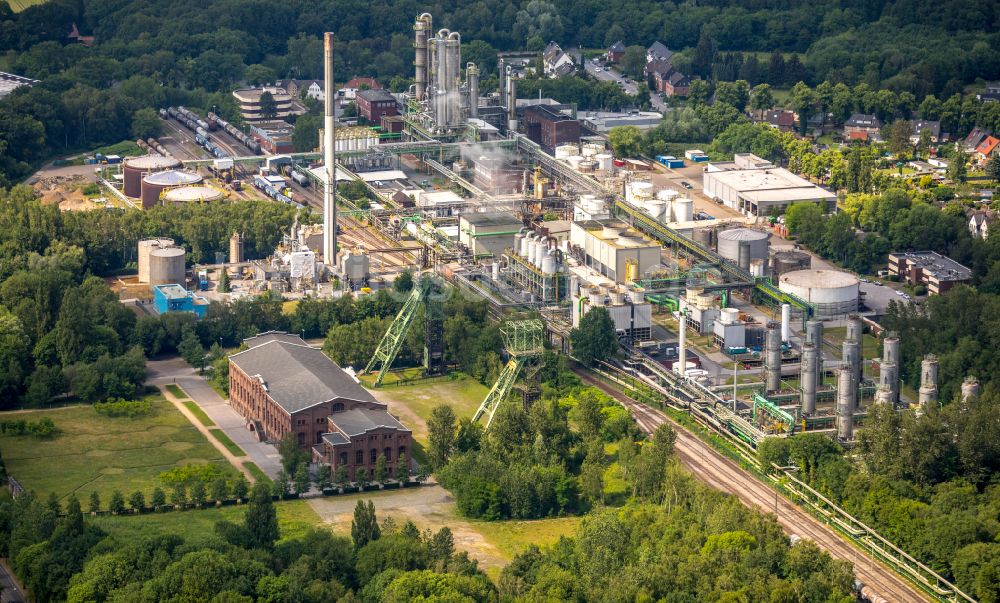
x=591, y=149
x=137, y=168
x=683, y=209
x=755, y=241
x=638, y=192
x=605, y=161
x=574, y=161
x=565, y=151
x=656, y=208
x=355, y=265
x=187, y=194
x=667, y=194
x=729, y=316
x=832, y=292
x=588, y=166
x=166, y=266
x=549, y=262
x=146, y=247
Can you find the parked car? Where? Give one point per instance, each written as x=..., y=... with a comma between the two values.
x=687, y=185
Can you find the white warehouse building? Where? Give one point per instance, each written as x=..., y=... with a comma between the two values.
x=610, y=246
x=756, y=187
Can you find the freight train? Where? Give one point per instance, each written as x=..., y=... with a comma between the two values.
x=153, y=146
x=268, y=189
x=233, y=131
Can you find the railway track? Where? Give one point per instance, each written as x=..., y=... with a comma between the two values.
x=723, y=474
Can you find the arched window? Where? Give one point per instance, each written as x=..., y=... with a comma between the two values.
x=343, y=458
x=359, y=457
x=388, y=454
x=338, y=407
x=374, y=454
x=402, y=451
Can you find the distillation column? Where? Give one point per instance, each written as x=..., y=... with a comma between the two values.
x=472, y=75
x=814, y=335
x=845, y=408
x=682, y=357
x=421, y=28
x=852, y=355
x=928, y=381
x=772, y=357
x=888, y=379
x=807, y=377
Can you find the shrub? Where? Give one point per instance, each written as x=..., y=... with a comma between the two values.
x=116, y=407
x=43, y=428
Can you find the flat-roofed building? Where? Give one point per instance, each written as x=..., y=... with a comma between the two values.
x=550, y=127
x=175, y=298
x=252, y=109
x=608, y=246
x=937, y=272
x=372, y=105
x=488, y=233
x=281, y=385
x=755, y=187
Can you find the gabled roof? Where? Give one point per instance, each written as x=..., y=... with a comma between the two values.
x=373, y=95
x=780, y=118
x=357, y=82
x=617, y=47
x=266, y=336
x=660, y=66
x=975, y=137
x=297, y=376
x=919, y=125
x=678, y=79
x=551, y=51
x=659, y=50
x=359, y=421
x=863, y=120
x=987, y=146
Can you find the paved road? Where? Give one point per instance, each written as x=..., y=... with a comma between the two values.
x=11, y=593
x=175, y=370
x=609, y=75
x=725, y=475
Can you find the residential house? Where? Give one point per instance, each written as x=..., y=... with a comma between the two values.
x=782, y=119
x=658, y=51
x=557, y=63
x=300, y=88
x=616, y=52
x=75, y=35
x=990, y=93
x=281, y=385
x=919, y=125
x=939, y=273
x=862, y=127
x=986, y=149
x=980, y=223
x=975, y=137
x=350, y=90
x=676, y=84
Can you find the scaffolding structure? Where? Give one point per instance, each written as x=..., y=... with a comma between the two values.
x=523, y=275
x=523, y=340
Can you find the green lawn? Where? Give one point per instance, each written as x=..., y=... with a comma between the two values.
x=199, y=413
x=295, y=517
x=257, y=473
x=176, y=391
x=869, y=343
x=103, y=454
x=464, y=394
x=227, y=442
x=512, y=537
x=19, y=5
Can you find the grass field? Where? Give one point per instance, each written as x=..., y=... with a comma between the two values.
x=103, y=454
x=512, y=537
x=19, y=5
x=414, y=403
x=176, y=391
x=199, y=413
x=226, y=441
x=869, y=343
x=295, y=517
x=257, y=473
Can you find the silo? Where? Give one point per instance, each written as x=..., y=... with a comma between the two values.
x=928, y=392
x=703, y=236
x=235, y=248
x=166, y=266
x=136, y=168
x=146, y=247
x=755, y=242
x=154, y=184
x=656, y=208
x=604, y=161
x=970, y=388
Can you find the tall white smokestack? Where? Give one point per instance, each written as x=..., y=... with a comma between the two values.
x=329, y=157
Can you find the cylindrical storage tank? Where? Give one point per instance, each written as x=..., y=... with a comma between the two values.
x=743, y=255
x=789, y=261
x=518, y=238
x=604, y=161
x=574, y=161
x=154, y=184
x=667, y=194
x=588, y=166
x=540, y=250
x=786, y=322
x=188, y=194
x=807, y=378
x=890, y=348
x=166, y=266
x=656, y=208
x=845, y=410
x=684, y=210
x=136, y=168
x=638, y=295
x=730, y=240
x=729, y=316
x=831, y=292
x=617, y=296
x=757, y=268
x=549, y=262
x=640, y=191
x=703, y=236
x=565, y=151
x=146, y=247
x=970, y=388
x=525, y=245
x=591, y=149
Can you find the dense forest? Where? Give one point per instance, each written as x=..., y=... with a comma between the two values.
x=154, y=53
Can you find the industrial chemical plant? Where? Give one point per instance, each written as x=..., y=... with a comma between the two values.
x=557, y=230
